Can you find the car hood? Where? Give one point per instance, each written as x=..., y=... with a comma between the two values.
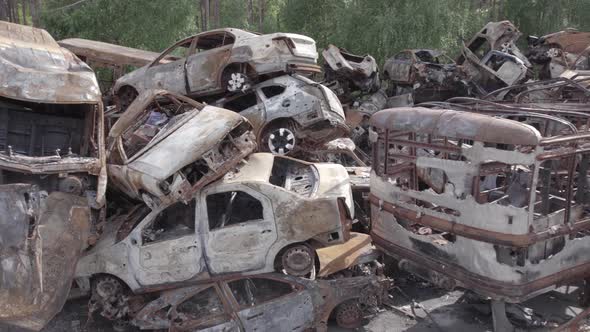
x=199, y=132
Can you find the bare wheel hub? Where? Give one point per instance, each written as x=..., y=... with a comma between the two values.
x=349, y=315
x=281, y=141
x=237, y=82
x=298, y=261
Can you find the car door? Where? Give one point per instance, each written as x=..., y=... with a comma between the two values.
x=272, y=304
x=168, y=70
x=250, y=105
x=402, y=68
x=164, y=247
x=239, y=228
x=205, y=310
x=204, y=67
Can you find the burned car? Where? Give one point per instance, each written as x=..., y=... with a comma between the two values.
x=272, y=213
x=52, y=172
x=218, y=61
x=426, y=74
x=114, y=60
x=290, y=113
x=491, y=60
x=165, y=147
x=483, y=203
x=560, y=51
x=347, y=73
x=268, y=302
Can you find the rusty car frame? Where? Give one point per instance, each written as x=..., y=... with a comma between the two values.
x=165, y=147
x=491, y=60
x=270, y=301
x=452, y=201
x=290, y=114
x=426, y=74
x=560, y=51
x=52, y=172
x=219, y=61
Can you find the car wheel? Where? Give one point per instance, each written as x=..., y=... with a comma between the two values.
x=125, y=96
x=298, y=260
x=349, y=315
x=279, y=139
x=236, y=81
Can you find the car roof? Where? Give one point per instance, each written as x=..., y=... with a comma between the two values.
x=41, y=70
x=456, y=124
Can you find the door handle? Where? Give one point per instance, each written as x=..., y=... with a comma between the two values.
x=266, y=231
x=255, y=316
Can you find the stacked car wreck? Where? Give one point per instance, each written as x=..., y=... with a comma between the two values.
x=239, y=188
x=52, y=171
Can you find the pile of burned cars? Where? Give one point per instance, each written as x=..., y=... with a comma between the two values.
x=223, y=185
x=195, y=229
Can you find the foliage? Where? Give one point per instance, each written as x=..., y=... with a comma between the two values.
x=377, y=27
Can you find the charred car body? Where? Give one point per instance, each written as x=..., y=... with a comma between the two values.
x=52, y=172
x=165, y=147
x=269, y=302
x=452, y=200
x=218, y=61
x=290, y=114
x=269, y=211
x=491, y=60
x=560, y=51
x=427, y=74
x=349, y=74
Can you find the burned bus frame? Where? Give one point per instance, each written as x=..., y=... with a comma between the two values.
x=433, y=213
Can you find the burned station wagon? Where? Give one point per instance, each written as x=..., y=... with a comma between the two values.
x=52, y=172
x=479, y=202
x=268, y=302
x=290, y=113
x=218, y=61
x=165, y=147
x=269, y=214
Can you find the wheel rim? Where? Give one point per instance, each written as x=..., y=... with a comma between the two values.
x=237, y=82
x=298, y=261
x=349, y=315
x=281, y=141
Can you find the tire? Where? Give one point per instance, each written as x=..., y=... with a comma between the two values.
x=349, y=315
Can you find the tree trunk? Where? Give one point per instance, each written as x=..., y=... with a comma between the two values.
x=261, y=5
x=24, y=8
x=35, y=8
x=3, y=10
x=250, y=14
x=216, y=23
x=204, y=15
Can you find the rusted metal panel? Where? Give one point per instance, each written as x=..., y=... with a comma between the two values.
x=41, y=240
x=40, y=70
